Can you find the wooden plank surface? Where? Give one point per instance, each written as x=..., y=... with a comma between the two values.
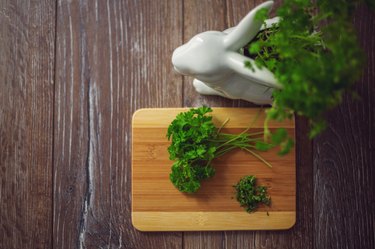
x=158, y=206
x=344, y=160
x=112, y=57
x=200, y=16
x=213, y=15
x=27, y=36
x=301, y=235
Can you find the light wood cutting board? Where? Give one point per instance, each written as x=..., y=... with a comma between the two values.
x=158, y=206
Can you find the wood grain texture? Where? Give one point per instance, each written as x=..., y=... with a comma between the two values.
x=344, y=159
x=201, y=16
x=27, y=35
x=236, y=10
x=212, y=221
x=112, y=57
x=302, y=233
x=156, y=201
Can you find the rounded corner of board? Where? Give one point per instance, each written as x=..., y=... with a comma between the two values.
x=291, y=223
x=136, y=112
x=135, y=222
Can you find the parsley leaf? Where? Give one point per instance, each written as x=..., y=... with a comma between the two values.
x=314, y=54
x=196, y=142
x=251, y=196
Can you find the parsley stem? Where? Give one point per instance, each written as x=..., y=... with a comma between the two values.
x=224, y=151
x=259, y=157
x=196, y=142
x=221, y=127
x=236, y=135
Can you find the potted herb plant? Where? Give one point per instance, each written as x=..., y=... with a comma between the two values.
x=301, y=62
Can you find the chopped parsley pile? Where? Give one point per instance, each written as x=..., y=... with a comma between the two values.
x=249, y=195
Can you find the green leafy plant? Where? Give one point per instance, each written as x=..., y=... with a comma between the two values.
x=315, y=56
x=251, y=196
x=279, y=138
x=196, y=142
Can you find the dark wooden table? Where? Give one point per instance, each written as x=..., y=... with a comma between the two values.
x=71, y=75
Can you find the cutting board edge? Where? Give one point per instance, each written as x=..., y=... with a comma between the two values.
x=208, y=221
x=271, y=124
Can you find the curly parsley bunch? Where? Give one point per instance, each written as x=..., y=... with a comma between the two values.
x=196, y=142
x=314, y=54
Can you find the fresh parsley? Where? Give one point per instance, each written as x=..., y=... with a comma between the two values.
x=251, y=196
x=314, y=54
x=196, y=142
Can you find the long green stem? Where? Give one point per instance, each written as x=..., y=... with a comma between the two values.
x=224, y=151
x=236, y=135
x=221, y=127
x=259, y=157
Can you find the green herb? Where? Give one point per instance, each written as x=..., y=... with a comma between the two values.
x=251, y=196
x=186, y=177
x=196, y=142
x=314, y=54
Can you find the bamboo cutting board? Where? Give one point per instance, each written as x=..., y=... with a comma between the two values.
x=158, y=206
